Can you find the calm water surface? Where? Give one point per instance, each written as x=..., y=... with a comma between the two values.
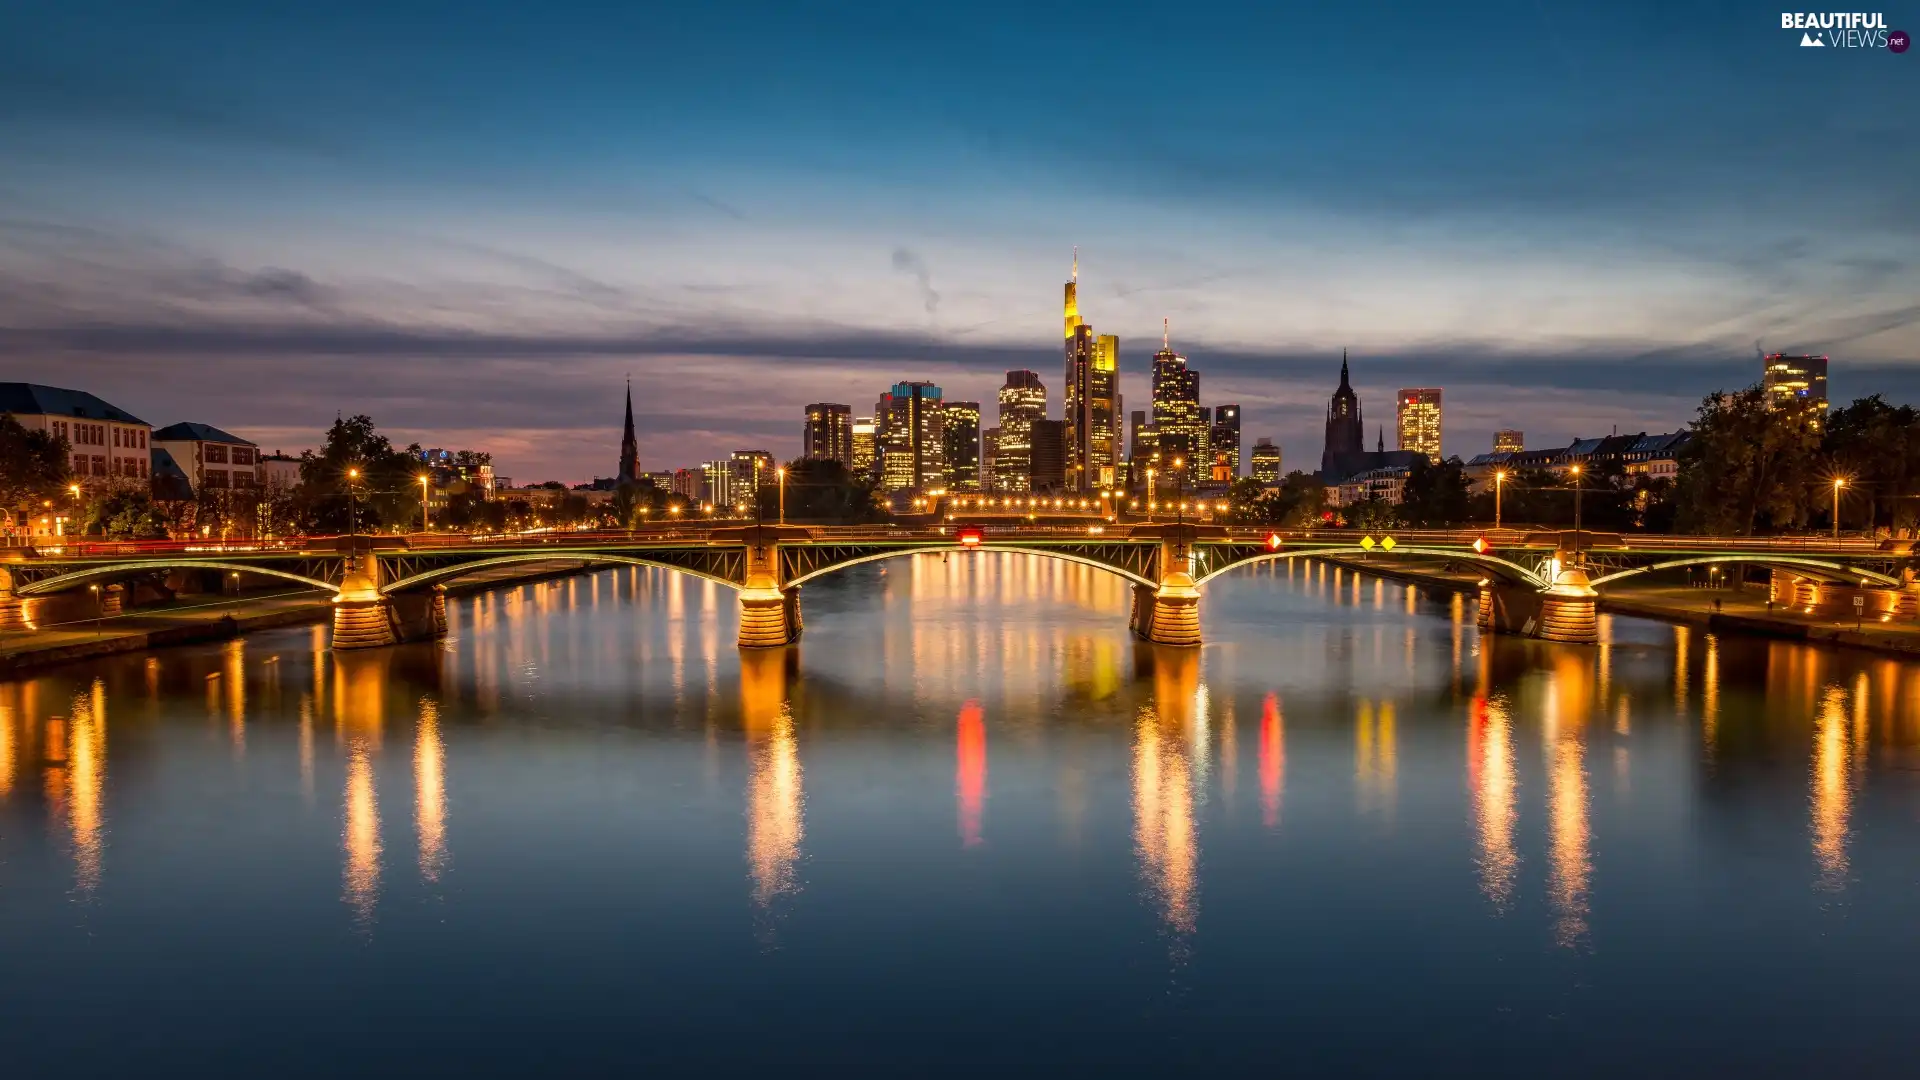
x=967, y=819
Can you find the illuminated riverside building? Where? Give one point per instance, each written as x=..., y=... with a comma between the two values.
x=752, y=470
x=960, y=429
x=1023, y=401
x=911, y=438
x=829, y=434
x=717, y=482
x=1509, y=441
x=1176, y=405
x=1090, y=399
x=1223, y=443
x=863, y=445
x=1266, y=461
x=1796, y=380
x=1419, y=421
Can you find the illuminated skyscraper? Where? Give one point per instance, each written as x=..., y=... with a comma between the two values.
x=1346, y=446
x=961, y=431
x=829, y=433
x=1419, y=421
x=1509, y=441
x=1023, y=400
x=1176, y=407
x=864, y=447
x=911, y=438
x=1266, y=461
x=1090, y=398
x=989, y=452
x=1800, y=380
x=752, y=471
x=1223, y=442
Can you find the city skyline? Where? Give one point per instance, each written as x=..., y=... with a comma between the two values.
x=232, y=211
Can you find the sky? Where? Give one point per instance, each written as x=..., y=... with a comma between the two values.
x=475, y=221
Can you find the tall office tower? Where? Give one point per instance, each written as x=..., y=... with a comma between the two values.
x=1135, y=422
x=717, y=485
x=1509, y=441
x=1345, y=452
x=1223, y=442
x=911, y=438
x=1266, y=461
x=1090, y=397
x=829, y=434
x=1049, y=471
x=1176, y=406
x=989, y=454
x=1419, y=421
x=1023, y=400
x=961, y=431
x=752, y=471
x=1799, y=380
x=864, y=446
x=686, y=483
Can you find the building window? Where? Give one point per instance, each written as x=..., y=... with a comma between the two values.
x=241, y=479
x=99, y=465
x=215, y=478
x=243, y=455
x=79, y=464
x=215, y=453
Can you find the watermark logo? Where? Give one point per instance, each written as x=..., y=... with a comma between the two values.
x=1844, y=30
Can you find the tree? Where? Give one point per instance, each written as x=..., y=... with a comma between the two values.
x=33, y=468
x=822, y=491
x=127, y=513
x=1372, y=513
x=1436, y=494
x=1875, y=448
x=1748, y=467
x=385, y=494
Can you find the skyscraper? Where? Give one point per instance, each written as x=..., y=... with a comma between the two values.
x=629, y=473
x=1346, y=446
x=912, y=451
x=1176, y=406
x=1796, y=380
x=1266, y=461
x=1049, y=455
x=752, y=470
x=961, y=432
x=1509, y=441
x=1223, y=442
x=989, y=466
x=1090, y=396
x=1419, y=421
x=1023, y=400
x=829, y=433
x=865, y=448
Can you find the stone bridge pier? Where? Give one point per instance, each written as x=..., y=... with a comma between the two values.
x=769, y=610
x=366, y=618
x=1169, y=613
x=1564, y=611
x=13, y=608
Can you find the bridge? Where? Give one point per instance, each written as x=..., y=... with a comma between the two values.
x=392, y=589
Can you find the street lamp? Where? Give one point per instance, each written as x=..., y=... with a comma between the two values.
x=1576, y=515
x=1180, y=488
x=74, y=490
x=1499, y=481
x=426, y=525
x=353, y=509
x=781, y=472
x=1151, y=493
x=1838, y=483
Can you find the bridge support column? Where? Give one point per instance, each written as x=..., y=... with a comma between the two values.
x=113, y=600
x=13, y=608
x=418, y=616
x=769, y=614
x=1565, y=611
x=362, y=617
x=1170, y=613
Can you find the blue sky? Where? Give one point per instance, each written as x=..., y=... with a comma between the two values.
x=473, y=221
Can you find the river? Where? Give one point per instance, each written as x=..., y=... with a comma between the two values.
x=967, y=820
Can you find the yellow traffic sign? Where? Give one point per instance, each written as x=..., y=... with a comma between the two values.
x=1386, y=543
x=1366, y=543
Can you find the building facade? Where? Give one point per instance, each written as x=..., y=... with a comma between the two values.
x=104, y=443
x=211, y=458
x=1796, y=380
x=1266, y=461
x=865, y=446
x=989, y=463
x=1346, y=445
x=280, y=473
x=829, y=433
x=753, y=470
x=1090, y=397
x=1023, y=402
x=912, y=438
x=1509, y=441
x=1176, y=408
x=1418, y=420
x=960, y=428
x=1223, y=443
x=1049, y=456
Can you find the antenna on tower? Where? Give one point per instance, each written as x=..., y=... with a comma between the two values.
x=1166, y=333
x=1076, y=263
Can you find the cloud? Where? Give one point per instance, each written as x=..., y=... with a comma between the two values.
x=909, y=261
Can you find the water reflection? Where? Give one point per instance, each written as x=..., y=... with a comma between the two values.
x=430, y=791
x=360, y=834
x=1273, y=760
x=1165, y=836
x=970, y=771
x=1494, y=780
x=775, y=802
x=86, y=777
x=1832, y=790
x=1568, y=703
x=1376, y=756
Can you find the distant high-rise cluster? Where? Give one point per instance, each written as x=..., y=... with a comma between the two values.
x=829, y=433
x=1418, y=419
x=1091, y=399
x=1023, y=402
x=1180, y=431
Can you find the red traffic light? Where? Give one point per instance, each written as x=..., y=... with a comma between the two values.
x=970, y=536
x=1273, y=541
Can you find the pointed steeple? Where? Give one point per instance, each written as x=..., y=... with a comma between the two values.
x=1380, y=444
x=1344, y=385
x=629, y=446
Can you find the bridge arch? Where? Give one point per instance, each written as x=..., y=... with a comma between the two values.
x=1511, y=571
x=1830, y=569
x=443, y=573
x=1043, y=552
x=63, y=582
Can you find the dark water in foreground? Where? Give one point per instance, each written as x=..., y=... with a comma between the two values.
x=967, y=820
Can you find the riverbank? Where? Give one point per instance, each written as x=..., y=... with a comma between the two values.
x=195, y=620
x=1722, y=611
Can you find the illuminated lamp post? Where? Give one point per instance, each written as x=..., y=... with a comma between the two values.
x=1499, y=481
x=426, y=525
x=1576, y=514
x=353, y=507
x=1838, y=483
x=1151, y=491
x=74, y=490
x=781, y=472
x=1180, y=490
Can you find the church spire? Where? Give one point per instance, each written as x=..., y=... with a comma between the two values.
x=629, y=446
x=1380, y=446
x=1344, y=385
